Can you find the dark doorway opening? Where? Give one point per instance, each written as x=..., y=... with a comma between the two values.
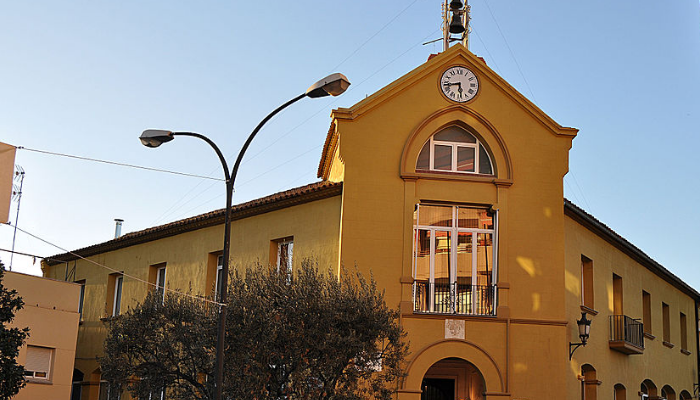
x=438, y=389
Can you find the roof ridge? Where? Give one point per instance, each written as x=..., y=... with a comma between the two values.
x=601, y=229
x=321, y=189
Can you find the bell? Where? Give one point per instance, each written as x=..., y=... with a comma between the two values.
x=456, y=24
x=456, y=5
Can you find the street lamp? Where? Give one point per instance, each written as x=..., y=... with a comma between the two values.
x=584, y=332
x=332, y=85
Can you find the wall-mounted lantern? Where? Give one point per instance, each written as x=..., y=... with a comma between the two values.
x=584, y=331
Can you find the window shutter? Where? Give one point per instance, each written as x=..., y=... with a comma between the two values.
x=38, y=359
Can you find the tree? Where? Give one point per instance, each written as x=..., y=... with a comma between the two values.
x=11, y=339
x=309, y=336
x=164, y=342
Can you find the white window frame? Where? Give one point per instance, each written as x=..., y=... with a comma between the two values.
x=454, y=230
x=219, y=271
x=455, y=147
x=161, y=285
x=118, y=287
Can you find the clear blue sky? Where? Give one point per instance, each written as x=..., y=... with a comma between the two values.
x=85, y=78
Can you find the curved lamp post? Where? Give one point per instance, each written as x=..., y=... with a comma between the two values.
x=332, y=85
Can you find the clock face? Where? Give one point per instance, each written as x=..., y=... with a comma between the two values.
x=459, y=84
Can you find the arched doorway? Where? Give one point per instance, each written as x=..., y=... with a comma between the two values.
x=451, y=379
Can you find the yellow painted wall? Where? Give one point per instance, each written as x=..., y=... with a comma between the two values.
x=660, y=364
x=522, y=351
x=380, y=139
x=313, y=225
x=51, y=313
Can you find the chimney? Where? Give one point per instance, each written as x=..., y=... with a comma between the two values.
x=118, y=227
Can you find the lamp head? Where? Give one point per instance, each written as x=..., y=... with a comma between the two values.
x=333, y=84
x=155, y=137
x=584, y=328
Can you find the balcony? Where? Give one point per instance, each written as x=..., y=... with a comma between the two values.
x=626, y=334
x=454, y=298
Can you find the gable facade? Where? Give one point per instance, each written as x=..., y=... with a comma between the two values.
x=481, y=258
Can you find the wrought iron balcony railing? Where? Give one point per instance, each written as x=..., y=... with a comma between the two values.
x=454, y=298
x=626, y=334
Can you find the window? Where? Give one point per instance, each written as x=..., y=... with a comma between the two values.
x=118, y=281
x=587, y=282
x=82, y=297
x=667, y=322
x=285, y=250
x=590, y=382
x=667, y=393
x=106, y=392
x=38, y=363
x=684, y=332
x=160, y=282
x=646, y=314
x=453, y=149
x=454, y=259
x=219, y=274
x=617, y=295
x=620, y=393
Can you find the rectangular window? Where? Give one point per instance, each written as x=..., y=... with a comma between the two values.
x=285, y=251
x=667, y=322
x=617, y=295
x=587, y=282
x=684, y=332
x=454, y=260
x=160, y=282
x=219, y=274
x=646, y=314
x=82, y=297
x=38, y=363
x=118, y=282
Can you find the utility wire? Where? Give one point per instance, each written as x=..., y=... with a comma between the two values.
x=354, y=87
x=511, y=51
x=118, y=163
x=120, y=272
x=373, y=36
x=21, y=254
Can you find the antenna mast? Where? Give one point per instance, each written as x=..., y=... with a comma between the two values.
x=455, y=21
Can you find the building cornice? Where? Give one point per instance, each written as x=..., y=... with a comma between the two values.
x=603, y=231
x=277, y=201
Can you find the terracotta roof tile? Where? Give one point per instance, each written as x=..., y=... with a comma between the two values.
x=288, y=198
x=612, y=237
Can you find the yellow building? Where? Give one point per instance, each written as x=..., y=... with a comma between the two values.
x=447, y=185
x=51, y=312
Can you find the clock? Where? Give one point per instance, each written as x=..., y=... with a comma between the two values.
x=459, y=84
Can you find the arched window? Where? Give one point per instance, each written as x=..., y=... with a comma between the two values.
x=685, y=395
x=620, y=392
x=590, y=382
x=454, y=149
x=667, y=393
x=648, y=389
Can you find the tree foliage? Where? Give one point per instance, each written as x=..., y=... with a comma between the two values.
x=311, y=336
x=162, y=343
x=11, y=339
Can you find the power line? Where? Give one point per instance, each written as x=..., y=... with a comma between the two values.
x=511, y=51
x=118, y=164
x=373, y=36
x=21, y=254
x=118, y=271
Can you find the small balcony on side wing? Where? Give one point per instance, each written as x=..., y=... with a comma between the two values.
x=626, y=334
